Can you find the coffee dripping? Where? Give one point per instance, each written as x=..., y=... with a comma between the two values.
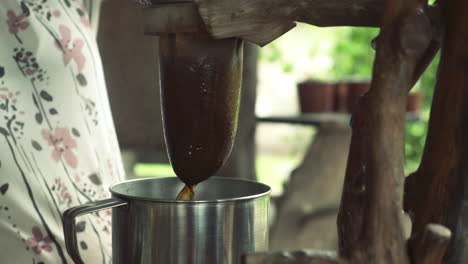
x=200, y=91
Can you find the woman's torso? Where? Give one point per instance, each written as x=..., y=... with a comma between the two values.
x=58, y=146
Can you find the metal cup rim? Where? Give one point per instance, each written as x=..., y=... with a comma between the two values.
x=214, y=201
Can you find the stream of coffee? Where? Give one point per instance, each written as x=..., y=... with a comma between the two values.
x=186, y=194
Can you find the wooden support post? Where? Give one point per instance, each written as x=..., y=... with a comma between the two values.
x=429, y=246
x=434, y=193
x=262, y=21
x=369, y=220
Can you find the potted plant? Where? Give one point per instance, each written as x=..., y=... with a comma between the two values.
x=341, y=97
x=316, y=96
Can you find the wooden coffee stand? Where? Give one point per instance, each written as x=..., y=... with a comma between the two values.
x=375, y=191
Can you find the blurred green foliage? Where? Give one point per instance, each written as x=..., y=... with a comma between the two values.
x=274, y=54
x=352, y=56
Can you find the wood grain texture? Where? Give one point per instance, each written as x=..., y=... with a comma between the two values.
x=171, y=18
x=262, y=21
x=429, y=246
x=434, y=192
x=369, y=222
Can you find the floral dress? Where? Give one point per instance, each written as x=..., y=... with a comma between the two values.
x=58, y=147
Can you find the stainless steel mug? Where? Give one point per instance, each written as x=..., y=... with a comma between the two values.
x=227, y=219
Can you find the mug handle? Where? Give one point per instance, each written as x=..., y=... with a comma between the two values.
x=69, y=227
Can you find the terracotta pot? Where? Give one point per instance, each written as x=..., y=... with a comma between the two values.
x=316, y=97
x=413, y=104
x=355, y=91
x=341, y=97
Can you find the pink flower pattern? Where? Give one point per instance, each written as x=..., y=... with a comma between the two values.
x=85, y=21
x=51, y=134
x=56, y=13
x=5, y=94
x=12, y=97
x=39, y=242
x=84, y=17
x=15, y=23
x=64, y=194
x=63, y=145
x=71, y=50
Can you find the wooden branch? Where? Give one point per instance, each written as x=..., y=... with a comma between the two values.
x=435, y=192
x=294, y=257
x=322, y=13
x=429, y=246
x=171, y=18
x=262, y=21
x=434, y=14
x=369, y=220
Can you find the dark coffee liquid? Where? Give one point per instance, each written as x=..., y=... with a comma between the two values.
x=186, y=194
x=200, y=89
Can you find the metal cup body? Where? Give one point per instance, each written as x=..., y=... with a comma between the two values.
x=228, y=219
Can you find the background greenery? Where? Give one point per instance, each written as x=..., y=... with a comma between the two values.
x=351, y=56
